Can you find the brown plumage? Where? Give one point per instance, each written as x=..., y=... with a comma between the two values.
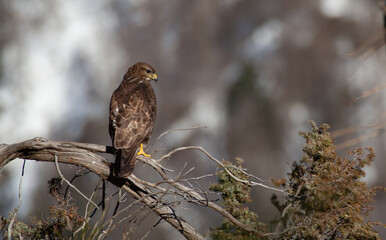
x=132, y=115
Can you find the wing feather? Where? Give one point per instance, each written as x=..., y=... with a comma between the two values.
x=132, y=116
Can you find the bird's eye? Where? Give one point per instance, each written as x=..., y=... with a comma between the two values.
x=148, y=70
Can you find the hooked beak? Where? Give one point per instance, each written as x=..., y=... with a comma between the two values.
x=153, y=76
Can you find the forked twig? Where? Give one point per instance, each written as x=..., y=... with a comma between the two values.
x=248, y=182
x=84, y=155
x=69, y=184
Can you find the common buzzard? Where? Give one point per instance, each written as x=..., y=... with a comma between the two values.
x=133, y=109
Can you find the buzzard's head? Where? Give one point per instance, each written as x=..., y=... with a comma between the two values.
x=146, y=71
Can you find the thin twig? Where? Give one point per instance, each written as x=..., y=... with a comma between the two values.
x=174, y=130
x=248, y=182
x=179, y=129
x=88, y=216
x=368, y=93
x=14, y=215
x=68, y=182
x=73, y=178
x=84, y=156
x=195, y=195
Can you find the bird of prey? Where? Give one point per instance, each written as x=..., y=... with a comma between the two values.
x=133, y=110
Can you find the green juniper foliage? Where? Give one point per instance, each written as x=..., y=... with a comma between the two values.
x=235, y=194
x=326, y=198
x=62, y=220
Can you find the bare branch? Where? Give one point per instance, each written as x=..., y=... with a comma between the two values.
x=83, y=155
x=69, y=184
x=14, y=215
x=86, y=214
x=248, y=182
x=202, y=200
x=179, y=129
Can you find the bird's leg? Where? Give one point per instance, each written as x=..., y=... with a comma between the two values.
x=141, y=152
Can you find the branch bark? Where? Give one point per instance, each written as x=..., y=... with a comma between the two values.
x=84, y=155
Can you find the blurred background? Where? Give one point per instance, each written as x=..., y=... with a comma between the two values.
x=252, y=72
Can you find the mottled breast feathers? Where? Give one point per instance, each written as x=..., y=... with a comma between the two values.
x=132, y=115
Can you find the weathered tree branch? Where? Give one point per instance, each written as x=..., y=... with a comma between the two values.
x=83, y=155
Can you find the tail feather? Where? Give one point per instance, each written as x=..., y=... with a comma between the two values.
x=125, y=161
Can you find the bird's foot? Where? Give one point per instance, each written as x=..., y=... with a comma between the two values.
x=141, y=152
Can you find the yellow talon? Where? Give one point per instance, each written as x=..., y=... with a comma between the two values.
x=141, y=152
